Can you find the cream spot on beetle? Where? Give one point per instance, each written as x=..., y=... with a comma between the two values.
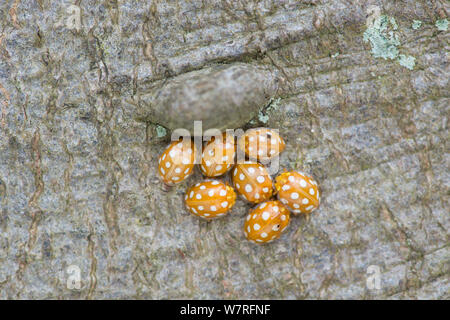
x=286, y=187
x=206, y=214
x=185, y=197
x=193, y=210
x=225, y=158
x=185, y=161
x=251, y=170
x=303, y=183
x=177, y=170
x=218, y=167
x=263, y=205
x=311, y=191
x=202, y=187
x=283, y=217
x=235, y=171
x=200, y=208
x=294, y=195
x=172, y=153
x=191, y=194
x=186, y=171
x=162, y=170
x=284, y=201
x=164, y=156
x=210, y=193
x=265, y=215
x=214, y=183
x=198, y=196
x=248, y=217
x=256, y=227
x=291, y=179
x=211, y=152
x=224, y=204
x=256, y=195
x=297, y=211
x=175, y=178
x=305, y=201
x=213, y=208
x=254, y=216
x=260, y=152
x=248, y=228
x=296, y=205
x=265, y=189
x=309, y=207
x=275, y=208
x=223, y=193
x=251, y=139
x=276, y=227
x=263, y=235
x=248, y=188
x=208, y=163
x=260, y=179
x=241, y=177
x=167, y=164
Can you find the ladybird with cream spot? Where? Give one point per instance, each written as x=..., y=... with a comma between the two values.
x=298, y=191
x=266, y=222
x=176, y=163
x=210, y=199
x=218, y=155
x=262, y=144
x=252, y=181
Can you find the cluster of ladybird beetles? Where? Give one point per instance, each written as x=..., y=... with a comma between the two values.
x=210, y=199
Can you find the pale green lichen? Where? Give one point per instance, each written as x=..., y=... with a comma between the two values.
x=272, y=105
x=442, y=24
x=416, y=24
x=384, y=41
x=262, y=117
x=407, y=61
x=335, y=55
x=160, y=131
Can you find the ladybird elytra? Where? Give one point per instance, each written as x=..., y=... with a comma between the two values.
x=261, y=144
x=176, y=163
x=266, y=222
x=210, y=199
x=298, y=191
x=252, y=181
x=218, y=155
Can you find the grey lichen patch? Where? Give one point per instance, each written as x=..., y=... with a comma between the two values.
x=221, y=96
x=442, y=24
x=407, y=61
x=416, y=24
x=385, y=42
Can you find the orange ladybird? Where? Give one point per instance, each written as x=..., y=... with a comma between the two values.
x=252, y=181
x=261, y=143
x=218, y=156
x=177, y=161
x=210, y=199
x=298, y=191
x=266, y=222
